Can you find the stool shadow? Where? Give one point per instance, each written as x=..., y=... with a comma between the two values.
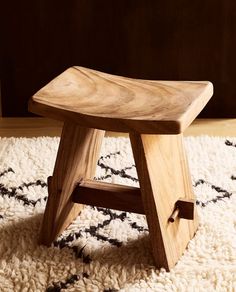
x=19, y=235
x=19, y=239
x=130, y=253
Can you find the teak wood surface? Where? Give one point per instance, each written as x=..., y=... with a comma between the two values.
x=109, y=195
x=77, y=158
x=99, y=100
x=164, y=178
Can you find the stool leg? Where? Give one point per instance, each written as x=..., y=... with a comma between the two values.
x=77, y=157
x=164, y=178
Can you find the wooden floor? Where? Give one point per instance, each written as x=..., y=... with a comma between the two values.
x=35, y=127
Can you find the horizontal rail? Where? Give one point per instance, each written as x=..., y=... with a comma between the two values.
x=108, y=195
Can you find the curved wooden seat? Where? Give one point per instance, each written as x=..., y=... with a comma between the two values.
x=89, y=102
x=98, y=100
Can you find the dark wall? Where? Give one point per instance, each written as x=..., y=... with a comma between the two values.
x=175, y=40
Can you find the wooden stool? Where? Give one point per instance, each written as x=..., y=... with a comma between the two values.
x=154, y=113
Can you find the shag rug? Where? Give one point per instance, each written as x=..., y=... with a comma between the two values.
x=107, y=250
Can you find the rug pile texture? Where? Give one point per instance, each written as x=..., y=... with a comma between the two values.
x=107, y=250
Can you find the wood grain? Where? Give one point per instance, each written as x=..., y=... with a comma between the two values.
x=164, y=178
x=76, y=159
x=99, y=100
x=109, y=195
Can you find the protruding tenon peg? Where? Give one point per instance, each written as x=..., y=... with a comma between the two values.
x=174, y=215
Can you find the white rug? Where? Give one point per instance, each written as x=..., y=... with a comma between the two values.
x=107, y=250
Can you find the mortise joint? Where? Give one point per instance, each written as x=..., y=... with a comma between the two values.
x=184, y=208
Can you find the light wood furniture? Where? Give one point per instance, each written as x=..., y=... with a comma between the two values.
x=154, y=113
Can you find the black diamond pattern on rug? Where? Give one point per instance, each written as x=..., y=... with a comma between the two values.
x=94, y=231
